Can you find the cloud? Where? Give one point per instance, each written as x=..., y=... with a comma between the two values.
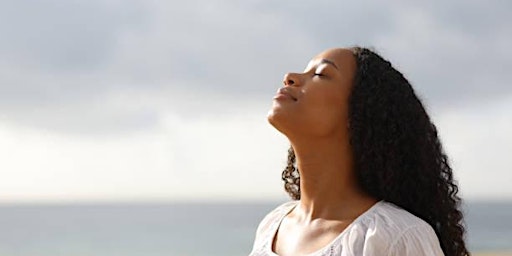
x=478, y=142
x=449, y=60
x=63, y=35
x=181, y=159
x=234, y=156
x=102, y=92
x=160, y=52
x=59, y=57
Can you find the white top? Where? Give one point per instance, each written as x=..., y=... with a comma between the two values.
x=385, y=230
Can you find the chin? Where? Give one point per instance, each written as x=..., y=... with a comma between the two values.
x=277, y=119
x=271, y=117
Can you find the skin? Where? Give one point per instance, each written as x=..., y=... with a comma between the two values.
x=315, y=120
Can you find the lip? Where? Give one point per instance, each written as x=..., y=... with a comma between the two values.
x=283, y=93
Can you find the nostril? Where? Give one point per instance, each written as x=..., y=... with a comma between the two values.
x=289, y=79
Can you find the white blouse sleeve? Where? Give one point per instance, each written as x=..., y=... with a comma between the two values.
x=418, y=241
x=265, y=226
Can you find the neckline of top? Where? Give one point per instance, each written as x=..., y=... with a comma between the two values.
x=277, y=224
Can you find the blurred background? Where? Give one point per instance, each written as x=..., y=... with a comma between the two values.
x=139, y=127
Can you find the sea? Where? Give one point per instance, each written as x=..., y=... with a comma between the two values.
x=181, y=229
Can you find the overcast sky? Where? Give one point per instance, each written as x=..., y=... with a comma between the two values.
x=167, y=100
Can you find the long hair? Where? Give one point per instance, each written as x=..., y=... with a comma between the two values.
x=398, y=156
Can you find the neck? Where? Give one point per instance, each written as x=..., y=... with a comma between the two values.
x=328, y=185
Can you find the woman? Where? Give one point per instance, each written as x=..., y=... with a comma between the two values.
x=366, y=169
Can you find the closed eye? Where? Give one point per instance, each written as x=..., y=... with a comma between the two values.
x=319, y=74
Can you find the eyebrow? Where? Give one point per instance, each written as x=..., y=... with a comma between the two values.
x=322, y=61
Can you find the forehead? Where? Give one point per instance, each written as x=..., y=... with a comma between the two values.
x=342, y=58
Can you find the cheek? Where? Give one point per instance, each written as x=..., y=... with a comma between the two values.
x=325, y=111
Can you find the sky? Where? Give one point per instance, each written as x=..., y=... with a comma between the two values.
x=137, y=100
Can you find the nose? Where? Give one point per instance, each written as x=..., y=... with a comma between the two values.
x=290, y=79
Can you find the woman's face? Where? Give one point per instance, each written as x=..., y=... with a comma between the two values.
x=315, y=102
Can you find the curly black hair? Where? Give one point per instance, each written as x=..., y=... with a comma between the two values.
x=398, y=156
